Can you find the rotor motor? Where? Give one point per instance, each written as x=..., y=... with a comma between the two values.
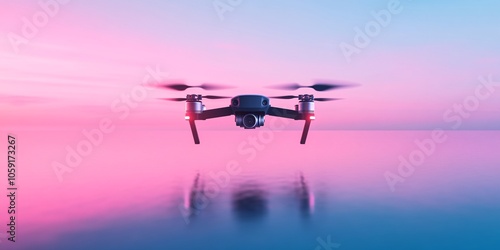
x=194, y=104
x=306, y=104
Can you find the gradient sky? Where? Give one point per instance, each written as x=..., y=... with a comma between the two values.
x=425, y=60
x=74, y=71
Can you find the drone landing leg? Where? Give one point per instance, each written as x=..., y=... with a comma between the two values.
x=304, y=132
x=194, y=132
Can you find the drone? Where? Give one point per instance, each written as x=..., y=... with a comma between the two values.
x=250, y=110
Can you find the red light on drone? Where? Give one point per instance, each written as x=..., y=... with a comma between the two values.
x=312, y=117
x=187, y=117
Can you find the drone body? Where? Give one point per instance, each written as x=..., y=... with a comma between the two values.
x=249, y=112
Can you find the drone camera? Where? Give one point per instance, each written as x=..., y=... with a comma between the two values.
x=249, y=120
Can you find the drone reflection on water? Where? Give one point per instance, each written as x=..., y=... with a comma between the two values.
x=249, y=199
x=195, y=200
x=305, y=196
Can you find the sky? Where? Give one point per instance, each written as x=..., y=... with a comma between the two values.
x=417, y=66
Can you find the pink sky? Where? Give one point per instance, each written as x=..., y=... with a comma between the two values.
x=82, y=60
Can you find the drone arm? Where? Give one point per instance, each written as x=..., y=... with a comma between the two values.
x=207, y=114
x=292, y=114
x=284, y=113
x=214, y=113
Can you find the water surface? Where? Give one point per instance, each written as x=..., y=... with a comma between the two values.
x=144, y=189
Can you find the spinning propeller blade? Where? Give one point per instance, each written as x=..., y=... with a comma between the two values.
x=183, y=86
x=215, y=97
x=317, y=86
x=173, y=99
x=320, y=99
x=284, y=97
x=326, y=99
x=203, y=96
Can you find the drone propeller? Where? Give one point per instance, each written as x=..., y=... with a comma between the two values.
x=326, y=99
x=182, y=86
x=285, y=97
x=315, y=99
x=204, y=96
x=214, y=97
x=316, y=86
x=174, y=99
